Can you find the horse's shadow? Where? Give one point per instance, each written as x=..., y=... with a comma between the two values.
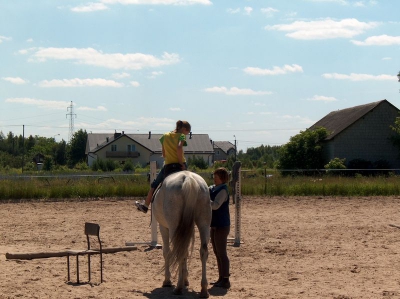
x=161, y=293
x=166, y=293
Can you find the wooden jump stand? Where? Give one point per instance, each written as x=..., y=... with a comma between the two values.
x=91, y=229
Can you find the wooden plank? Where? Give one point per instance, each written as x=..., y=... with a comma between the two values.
x=38, y=255
x=394, y=225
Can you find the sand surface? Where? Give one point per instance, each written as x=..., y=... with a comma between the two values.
x=298, y=247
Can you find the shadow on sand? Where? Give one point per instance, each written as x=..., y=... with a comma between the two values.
x=167, y=293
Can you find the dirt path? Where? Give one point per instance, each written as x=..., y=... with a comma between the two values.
x=293, y=248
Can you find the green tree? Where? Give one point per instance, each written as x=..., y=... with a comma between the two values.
x=395, y=138
x=304, y=150
x=60, y=153
x=30, y=143
x=76, y=148
x=48, y=163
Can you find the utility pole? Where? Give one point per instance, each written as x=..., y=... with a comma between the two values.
x=235, y=149
x=23, y=147
x=71, y=121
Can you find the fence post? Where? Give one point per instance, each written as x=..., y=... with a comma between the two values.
x=153, y=174
x=237, y=200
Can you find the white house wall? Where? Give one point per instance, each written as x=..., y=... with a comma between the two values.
x=122, y=143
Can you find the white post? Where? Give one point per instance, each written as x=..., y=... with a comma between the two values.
x=153, y=174
x=238, y=205
x=237, y=199
x=153, y=242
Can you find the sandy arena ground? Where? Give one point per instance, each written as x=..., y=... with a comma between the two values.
x=293, y=248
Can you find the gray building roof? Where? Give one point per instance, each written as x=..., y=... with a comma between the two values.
x=196, y=143
x=225, y=146
x=337, y=121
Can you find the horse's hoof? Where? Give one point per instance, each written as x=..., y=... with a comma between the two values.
x=204, y=294
x=178, y=291
x=167, y=284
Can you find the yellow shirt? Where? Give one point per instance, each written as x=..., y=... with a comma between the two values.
x=170, y=143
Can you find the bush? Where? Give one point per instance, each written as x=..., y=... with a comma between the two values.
x=82, y=166
x=336, y=163
x=198, y=162
x=128, y=166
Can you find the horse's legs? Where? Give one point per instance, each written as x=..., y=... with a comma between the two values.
x=182, y=277
x=185, y=273
x=204, y=239
x=167, y=274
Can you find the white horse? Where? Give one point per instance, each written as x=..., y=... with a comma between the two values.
x=183, y=201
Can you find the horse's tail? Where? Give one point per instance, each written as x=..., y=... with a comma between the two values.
x=184, y=234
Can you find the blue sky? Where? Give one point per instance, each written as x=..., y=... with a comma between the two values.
x=255, y=71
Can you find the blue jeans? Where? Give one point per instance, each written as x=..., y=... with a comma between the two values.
x=160, y=177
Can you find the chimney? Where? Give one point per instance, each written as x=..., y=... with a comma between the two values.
x=107, y=139
x=123, y=132
x=190, y=135
x=116, y=135
x=149, y=134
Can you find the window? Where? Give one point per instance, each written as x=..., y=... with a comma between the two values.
x=131, y=148
x=113, y=147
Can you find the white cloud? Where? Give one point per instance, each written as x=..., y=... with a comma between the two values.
x=135, y=83
x=342, y=2
x=76, y=82
x=255, y=71
x=89, y=7
x=15, y=80
x=291, y=15
x=324, y=29
x=29, y=40
x=248, y=10
x=4, y=38
x=387, y=58
x=269, y=11
x=90, y=56
x=98, y=108
x=296, y=119
x=175, y=109
x=236, y=91
x=359, y=77
x=233, y=10
x=380, y=40
x=158, y=2
x=120, y=75
x=322, y=99
x=155, y=74
x=26, y=51
x=364, y=3
x=43, y=104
